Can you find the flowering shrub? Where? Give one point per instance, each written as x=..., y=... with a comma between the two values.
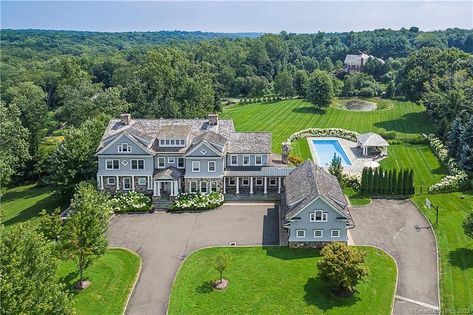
x=351, y=180
x=129, y=202
x=323, y=132
x=295, y=160
x=457, y=180
x=198, y=201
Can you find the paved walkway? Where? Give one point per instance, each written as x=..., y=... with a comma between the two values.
x=163, y=240
x=397, y=227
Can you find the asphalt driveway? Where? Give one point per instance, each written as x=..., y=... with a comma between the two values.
x=397, y=227
x=163, y=240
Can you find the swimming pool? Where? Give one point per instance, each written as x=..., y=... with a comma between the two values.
x=325, y=149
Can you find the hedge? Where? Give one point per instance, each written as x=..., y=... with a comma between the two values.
x=198, y=201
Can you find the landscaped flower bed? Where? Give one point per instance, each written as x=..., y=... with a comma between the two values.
x=198, y=201
x=323, y=132
x=129, y=202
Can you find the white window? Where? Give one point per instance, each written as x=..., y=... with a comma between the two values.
x=272, y=181
x=183, y=142
x=258, y=160
x=245, y=181
x=180, y=162
x=173, y=142
x=318, y=233
x=124, y=147
x=137, y=164
x=193, y=186
x=111, y=181
x=335, y=233
x=213, y=186
x=259, y=181
x=203, y=151
x=203, y=188
x=161, y=142
x=171, y=160
x=211, y=166
x=161, y=162
x=233, y=159
x=246, y=160
x=167, y=142
x=231, y=181
x=141, y=181
x=112, y=164
x=126, y=183
x=318, y=216
x=300, y=233
x=196, y=166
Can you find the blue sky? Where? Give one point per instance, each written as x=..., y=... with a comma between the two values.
x=235, y=16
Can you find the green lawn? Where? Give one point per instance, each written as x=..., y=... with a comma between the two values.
x=356, y=199
x=23, y=203
x=277, y=280
x=455, y=249
x=112, y=277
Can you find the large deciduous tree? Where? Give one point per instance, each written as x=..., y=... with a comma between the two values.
x=300, y=83
x=83, y=239
x=28, y=282
x=283, y=84
x=320, y=88
x=466, y=146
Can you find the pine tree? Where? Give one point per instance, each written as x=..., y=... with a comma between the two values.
x=370, y=181
x=453, y=138
x=364, y=185
x=405, y=185
x=394, y=183
x=466, y=142
x=400, y=182
x=388, y=182
x=376, y=181
x=382, y=182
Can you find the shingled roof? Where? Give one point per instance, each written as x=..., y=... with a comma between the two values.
x=371, y=139
x=308, y=181
x=249, y=142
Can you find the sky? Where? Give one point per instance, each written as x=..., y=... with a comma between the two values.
x=235, y=16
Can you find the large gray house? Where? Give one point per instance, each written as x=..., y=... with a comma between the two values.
x=165, y=157
x=315, y=210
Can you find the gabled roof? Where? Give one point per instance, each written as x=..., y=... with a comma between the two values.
x=307, y=182
x=167, y=173
x=174, y=132
x=139, y=142
x=371, y=139
x=211, y=137
x=249, y=142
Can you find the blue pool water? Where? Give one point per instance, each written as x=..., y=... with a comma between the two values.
x=325, y=149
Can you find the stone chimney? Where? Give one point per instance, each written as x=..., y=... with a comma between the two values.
x=125, y=119
x=286, y=149
x=213, y=119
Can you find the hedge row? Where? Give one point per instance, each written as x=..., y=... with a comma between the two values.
x=387, y=182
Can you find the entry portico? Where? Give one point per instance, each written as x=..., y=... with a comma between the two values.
x=166, y=182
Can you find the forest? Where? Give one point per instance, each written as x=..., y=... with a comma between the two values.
x=64, y=80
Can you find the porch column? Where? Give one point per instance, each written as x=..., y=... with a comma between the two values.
x=172, y=188
x=279, y=185
x=237, y=185
x=265, y=185
x=176, y=188
x=224, y=185
x=154, y=188
x=149, y=183
x=159, y=188
x=133, y=183
x=118, y=183
x=251, y=185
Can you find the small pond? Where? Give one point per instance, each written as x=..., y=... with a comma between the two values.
x=357, y=105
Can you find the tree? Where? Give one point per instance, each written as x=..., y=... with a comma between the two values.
x=300, y=83
x=389, y=189
x=466, y=142
x=283, y=84
x=336, y=168
x=221, y=263
x=31, y=102
x=400, y=182
x=73, y=161
x=468, y=225
x=320, y=88
x=343, y=267
x=84, y=238
x=326, y=64
x=391, y=89
x=51, y=225
x=453, y=137
x=14, y=147
x=29, y=284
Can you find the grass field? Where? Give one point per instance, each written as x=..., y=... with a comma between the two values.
x=277, y=280
x=24, y=203
x=112, y=277
x=455, y=249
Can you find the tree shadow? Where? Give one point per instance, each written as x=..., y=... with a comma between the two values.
x=408, y=123
x=205, y=287
x=318, y=293
x=310, y=110
x=461, y=257
x=286, y=253
x=270, y=234
x=70, y=281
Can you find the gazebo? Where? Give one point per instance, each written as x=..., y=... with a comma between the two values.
x=372, y=140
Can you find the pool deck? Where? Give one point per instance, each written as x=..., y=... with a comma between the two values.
x=352, y=151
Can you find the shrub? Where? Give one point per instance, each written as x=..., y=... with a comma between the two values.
x=323, y=132
x=129, y=202
x=468, y=225
x=295, y=160
x=343, y=267
x=198, y=201
x=353, y=181
x=388, y=135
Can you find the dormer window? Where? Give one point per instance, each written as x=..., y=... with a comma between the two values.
x=124, y=148
x=172, y=142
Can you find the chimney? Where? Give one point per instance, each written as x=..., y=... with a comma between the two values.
x=125, y=119
x=213, y=119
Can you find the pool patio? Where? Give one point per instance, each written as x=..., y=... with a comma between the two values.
x=352, y=150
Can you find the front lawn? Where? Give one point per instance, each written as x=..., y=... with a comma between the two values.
x=277, y=280
x=24, y=203
x=112, y=277
x=455, y=249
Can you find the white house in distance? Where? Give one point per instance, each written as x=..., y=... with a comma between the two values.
x=357, y=62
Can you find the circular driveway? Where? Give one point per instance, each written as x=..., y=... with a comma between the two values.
x=163, y=240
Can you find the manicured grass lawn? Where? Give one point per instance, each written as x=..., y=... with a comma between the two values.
x=455, y=249
x=277, y=280
x=112, y=277
x=24, y=203
x=356, y=199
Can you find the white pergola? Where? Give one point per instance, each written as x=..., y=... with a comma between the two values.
x=372, y=140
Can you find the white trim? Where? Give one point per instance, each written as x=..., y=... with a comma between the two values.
x=183, y=162
x=249, y=159
x=114, y=180
x=331, y=233
x=231, y=162
x=112, y=169
x=245, y=179
x=171, y=158
x=213, y=184
x=137, y=164
x=297, y=233
x=123, y=182
x=261, y=157
x=128, y=148
x=321, y=234
x=206, y=187
x=323, y=216
x=230, y=180
x=164, y=162
x=140, y=181
x=197, y=163
x=118, y=137
x=196, y=187
x=259, y=179
x=325, y=200
x=208, y=145
x=271, y=179
x=215, y=166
